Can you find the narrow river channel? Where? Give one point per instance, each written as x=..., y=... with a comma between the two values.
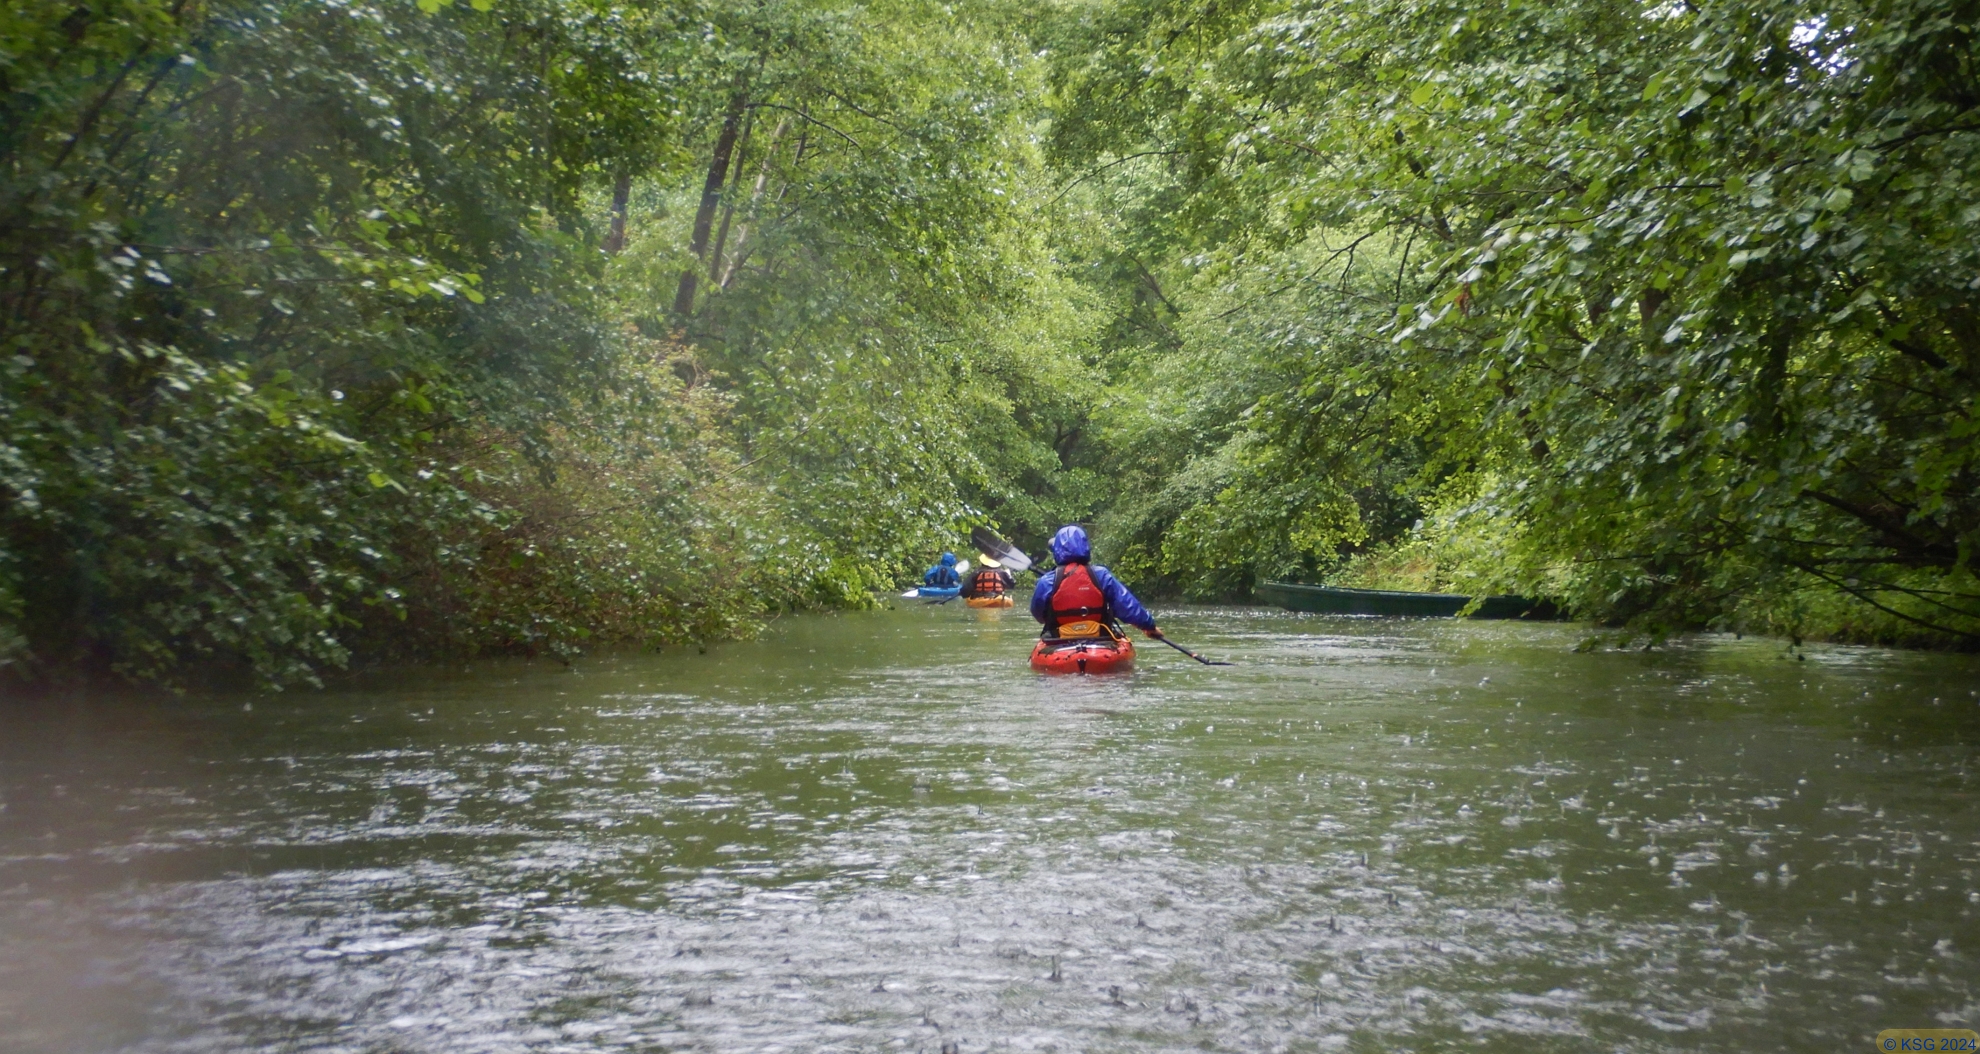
x=881, y=832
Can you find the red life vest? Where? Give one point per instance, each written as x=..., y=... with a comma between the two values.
x=1079, y=609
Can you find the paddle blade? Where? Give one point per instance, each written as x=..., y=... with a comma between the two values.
x=912, y=593
x=987, y=542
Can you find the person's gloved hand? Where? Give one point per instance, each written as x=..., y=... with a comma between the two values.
x=1154, y=632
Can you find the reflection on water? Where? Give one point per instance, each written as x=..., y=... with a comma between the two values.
x=882, y=832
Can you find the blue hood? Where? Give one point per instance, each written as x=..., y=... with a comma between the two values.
x=1070, y=544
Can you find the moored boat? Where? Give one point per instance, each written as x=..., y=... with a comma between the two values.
x=1337, y=600
x=1082, y=655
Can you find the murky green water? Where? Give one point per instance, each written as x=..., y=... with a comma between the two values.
x=881, y=832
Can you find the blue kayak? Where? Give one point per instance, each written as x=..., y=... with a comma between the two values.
x=933, y=592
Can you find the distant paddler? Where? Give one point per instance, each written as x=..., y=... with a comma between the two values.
x=942, y=580
x=989, y=586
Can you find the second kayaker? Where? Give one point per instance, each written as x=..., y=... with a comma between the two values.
x=1078, y=599
x=990, y=580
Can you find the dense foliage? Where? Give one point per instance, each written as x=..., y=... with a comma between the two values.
x=315, y=347
x=375, y=329
x=1665, y=309
x=272, y=271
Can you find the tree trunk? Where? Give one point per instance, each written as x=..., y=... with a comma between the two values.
x=711, y=196
x=728, y=271
x=615, y=239
x=714, y=255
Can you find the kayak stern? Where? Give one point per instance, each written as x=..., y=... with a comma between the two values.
x=1096, y=655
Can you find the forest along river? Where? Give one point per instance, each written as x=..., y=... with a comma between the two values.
x=881, y=831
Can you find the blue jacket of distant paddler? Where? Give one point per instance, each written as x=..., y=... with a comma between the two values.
x=943, y=575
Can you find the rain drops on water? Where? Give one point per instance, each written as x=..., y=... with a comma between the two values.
x=950, y=883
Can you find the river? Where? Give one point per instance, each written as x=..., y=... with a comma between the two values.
x=881, y=832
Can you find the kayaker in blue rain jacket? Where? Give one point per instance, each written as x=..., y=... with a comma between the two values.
x=943, y=575
x=1070, y=549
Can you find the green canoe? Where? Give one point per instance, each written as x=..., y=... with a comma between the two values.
x=1334, y=600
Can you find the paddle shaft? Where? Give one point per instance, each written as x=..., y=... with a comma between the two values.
x=1193, y=655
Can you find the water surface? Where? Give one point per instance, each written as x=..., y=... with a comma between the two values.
x=881, y=832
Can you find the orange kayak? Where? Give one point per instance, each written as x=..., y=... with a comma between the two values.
x=1085, y=655
x=1002, y=601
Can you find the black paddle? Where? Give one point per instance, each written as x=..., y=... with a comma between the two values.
x=1193, y=655
x=987, y=542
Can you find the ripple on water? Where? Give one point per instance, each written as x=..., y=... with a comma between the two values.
x=884, y=833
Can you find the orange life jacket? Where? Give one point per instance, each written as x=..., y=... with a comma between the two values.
x=1079, y=609
x=987, y=582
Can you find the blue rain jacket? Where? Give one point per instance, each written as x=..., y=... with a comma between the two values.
x=1121, y=604
x=943, y=575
